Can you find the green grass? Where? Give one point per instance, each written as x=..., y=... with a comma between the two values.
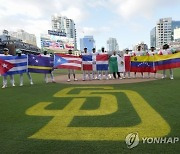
x=16, y=126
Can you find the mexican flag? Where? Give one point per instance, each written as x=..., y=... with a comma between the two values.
x=116, y=64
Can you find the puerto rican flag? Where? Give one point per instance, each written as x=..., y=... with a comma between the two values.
x=95, y=62
x=67, y=61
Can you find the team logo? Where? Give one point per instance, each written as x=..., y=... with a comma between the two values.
x=59, y=127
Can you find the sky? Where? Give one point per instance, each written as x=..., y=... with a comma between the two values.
x=129, y=21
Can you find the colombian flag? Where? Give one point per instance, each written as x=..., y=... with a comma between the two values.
x=163, y=62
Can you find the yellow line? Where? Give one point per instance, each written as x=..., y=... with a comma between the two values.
x=40, y=67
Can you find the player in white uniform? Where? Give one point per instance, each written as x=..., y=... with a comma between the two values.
x=152, y=52
x=127, y=53
x=86, y=72
x=46, y=74
x=167, y=51
x=118, y=60
x=139, y=52
x=6, y=53
x=28, y=74
x=71, y=71
x=100, y=73
x=94, y=62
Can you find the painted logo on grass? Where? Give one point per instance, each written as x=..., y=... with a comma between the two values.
x=132, y=140
x=59, y=128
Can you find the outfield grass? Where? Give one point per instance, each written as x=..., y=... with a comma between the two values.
x=16, y=126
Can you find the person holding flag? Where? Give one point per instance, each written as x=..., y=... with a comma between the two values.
x=152, y=52
x=127, y=55
x=51, y=73
x=100, y=73
x=84, y=71
x=139, y=52
x=166, y=51
x=114, y=62
x=94, y=63
x=6, y=53
x=21, y=74
x=71, y=71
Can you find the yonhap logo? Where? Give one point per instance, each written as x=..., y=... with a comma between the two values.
x=132, y=140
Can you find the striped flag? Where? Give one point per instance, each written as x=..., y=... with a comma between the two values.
x=13, y=64
x=87, y=62
x=142, y=64
x=102, y=62
x=66, y=61
x=40, y=64
x=155, y=62
x=95, y=62
x=162, y=62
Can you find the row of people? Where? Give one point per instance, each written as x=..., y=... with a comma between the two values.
x=12, y=81
x=95, y=74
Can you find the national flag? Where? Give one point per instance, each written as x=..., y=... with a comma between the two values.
x=13, y=64
x=102, y=62
x=142, y=64
x=127, y=60
x=163, y=62
x=5, y=66
x=95, y=62
x=66, y=61
x=40, y=64
x=87, y=62
x=116, y=64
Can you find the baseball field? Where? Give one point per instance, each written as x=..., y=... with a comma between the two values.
x=90, y=118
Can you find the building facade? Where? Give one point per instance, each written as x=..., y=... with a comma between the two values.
x=87, y=42
x=164, y=31
x=177, y=34
x=24, y=36
x=112, y=45
x=65, y=25
x=153, y=37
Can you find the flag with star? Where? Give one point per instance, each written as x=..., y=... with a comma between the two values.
x=142, y=64
x=5, y=66
x=10, y=65
x=66, y=61
x=40, y=64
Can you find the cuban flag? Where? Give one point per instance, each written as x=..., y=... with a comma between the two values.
x=67, y=61
x=10, y=65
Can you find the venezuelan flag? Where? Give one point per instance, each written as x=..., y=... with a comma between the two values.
x=142, y=64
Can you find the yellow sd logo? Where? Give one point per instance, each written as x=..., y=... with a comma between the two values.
x=152, y=124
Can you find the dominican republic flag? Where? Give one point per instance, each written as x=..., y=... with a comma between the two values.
x=66, y=61
x=87, y=62
x=40, y=64
x=10, y=65
x=95, y=62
